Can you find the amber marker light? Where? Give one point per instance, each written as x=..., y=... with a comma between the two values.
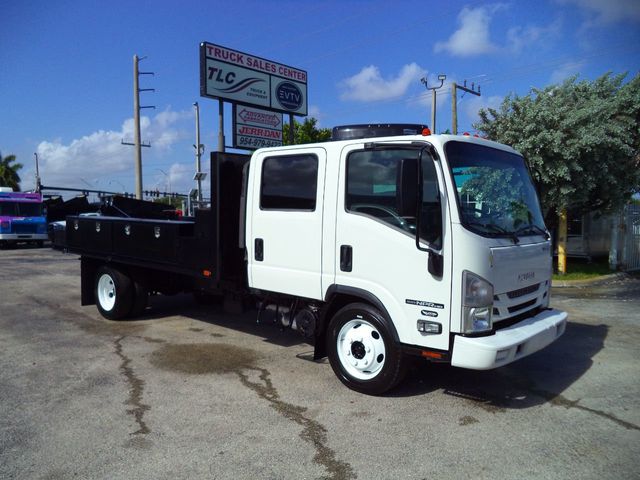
x=428, y=354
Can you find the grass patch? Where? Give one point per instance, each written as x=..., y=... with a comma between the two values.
x=582, y=269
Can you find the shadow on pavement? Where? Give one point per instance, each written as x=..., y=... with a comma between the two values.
x=534, y=380
x=539, y=378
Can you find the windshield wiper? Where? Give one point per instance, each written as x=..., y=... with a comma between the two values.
x=532, y=228
x=490, y=227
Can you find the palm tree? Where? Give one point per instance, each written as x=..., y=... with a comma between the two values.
x=9, y=173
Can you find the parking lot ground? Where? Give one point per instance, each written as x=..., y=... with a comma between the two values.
x=190, y=392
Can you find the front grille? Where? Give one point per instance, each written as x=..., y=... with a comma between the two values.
x=518, y=302
x=522, y=306
x=22, y=228
x=523, y=291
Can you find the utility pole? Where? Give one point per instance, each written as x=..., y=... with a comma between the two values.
x=454, y=102
x=138, y=144
x=424, y=80
x=37, y=174
x=199, y=151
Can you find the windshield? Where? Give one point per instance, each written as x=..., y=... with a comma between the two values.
x=20, y=209
x=495, y=193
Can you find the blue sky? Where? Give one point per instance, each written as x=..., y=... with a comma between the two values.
x=66, y=69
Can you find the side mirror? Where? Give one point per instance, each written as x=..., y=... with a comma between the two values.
x=407, y=187
x=435, y=265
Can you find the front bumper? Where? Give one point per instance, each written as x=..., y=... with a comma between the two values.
x=509, y=344
x=23, y=237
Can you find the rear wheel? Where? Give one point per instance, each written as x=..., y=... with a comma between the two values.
x=140, y=300
x=361, y=350
x=113, y=292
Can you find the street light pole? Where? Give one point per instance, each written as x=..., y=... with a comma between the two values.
x=424, y=80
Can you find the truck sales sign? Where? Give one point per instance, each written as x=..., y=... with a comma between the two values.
x=242, y=78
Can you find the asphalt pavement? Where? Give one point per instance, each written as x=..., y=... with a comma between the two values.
x=190, y=392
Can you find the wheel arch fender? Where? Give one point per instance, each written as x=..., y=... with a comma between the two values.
x=338, y=296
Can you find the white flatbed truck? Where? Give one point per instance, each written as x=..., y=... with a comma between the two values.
x=374, y=248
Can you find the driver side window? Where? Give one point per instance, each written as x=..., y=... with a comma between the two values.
x=372, y=189
x=371, y=185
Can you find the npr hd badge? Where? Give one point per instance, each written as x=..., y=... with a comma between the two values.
x=422, y=303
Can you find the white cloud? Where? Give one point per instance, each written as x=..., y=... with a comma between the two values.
x=173, y=179
x=369, y=86
x=567, y=70
x=96, y=157
x=472, y=37
x=520, y=37
x=608, y=11
x=314, y=111
x=472, y=105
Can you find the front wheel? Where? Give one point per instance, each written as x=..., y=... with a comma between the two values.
x=113, y=293
x=362, y=352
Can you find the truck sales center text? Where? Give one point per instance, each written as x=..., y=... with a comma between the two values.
x=254, y=63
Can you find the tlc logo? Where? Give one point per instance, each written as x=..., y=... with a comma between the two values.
x=218, y=75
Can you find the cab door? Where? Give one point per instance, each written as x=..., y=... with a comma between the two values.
x=284, y=234
x=383, y=257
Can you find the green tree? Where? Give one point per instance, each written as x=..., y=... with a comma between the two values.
x=9, y=172
x=499, y=190
x=306, y=132
x=174, y=202
x=581, y=140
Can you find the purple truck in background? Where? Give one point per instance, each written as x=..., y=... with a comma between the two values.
x=22, y=218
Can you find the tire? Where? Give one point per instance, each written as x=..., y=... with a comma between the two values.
x=140, y=300
x=362, y=351
x=114, y=293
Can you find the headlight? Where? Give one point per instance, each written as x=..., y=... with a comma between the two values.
x=477, y=303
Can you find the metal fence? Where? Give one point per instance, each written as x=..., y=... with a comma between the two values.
x=631, y=242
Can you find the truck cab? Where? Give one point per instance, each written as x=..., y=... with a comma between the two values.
x=431, y=245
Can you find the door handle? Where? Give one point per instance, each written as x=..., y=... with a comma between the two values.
x=258, y=250
x=346, y=258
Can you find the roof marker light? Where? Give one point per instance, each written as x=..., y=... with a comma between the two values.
x=426, y=132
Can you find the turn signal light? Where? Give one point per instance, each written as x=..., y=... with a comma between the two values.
x=206, y=273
